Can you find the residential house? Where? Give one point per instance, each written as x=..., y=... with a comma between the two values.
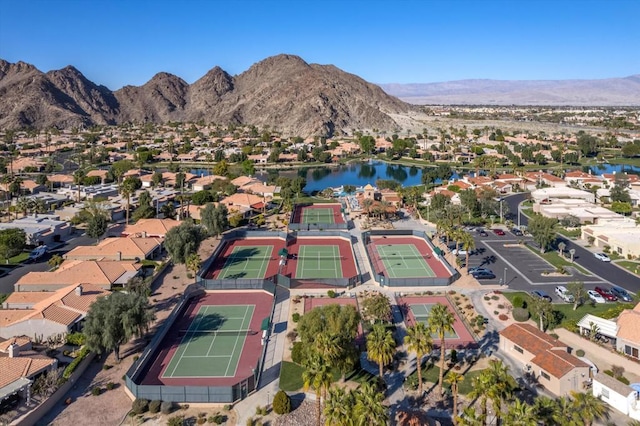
x=134, y=248
x=545, y=195
x=546, y=358
x=58, y=314
x=258, y=158
x=535, y=179
x=621, y=236
x=20, y=164
x=41, y=229
x=106, y=274
x=204, y=183
x=150, y=228
x=101, y=174
x=243, y=203
x=628, y=337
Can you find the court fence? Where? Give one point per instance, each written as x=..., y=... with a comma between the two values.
x=289, y=282
x=295, y=220
x=181, y=394
x=377, y=267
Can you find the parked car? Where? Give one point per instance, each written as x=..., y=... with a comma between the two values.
x=478, y=269
x=37, y=253
x=517, y=232
x=621, y=294
x=602, y=256
x=459, y=252
x=563, y=293
x=483, y=275
x=595, y=296
x=606, y=294
x=498, y=231
x=539, y=294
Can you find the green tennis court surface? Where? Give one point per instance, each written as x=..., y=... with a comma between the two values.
x=421, y=312
x=319, y=215
x=404, y=261
x=212, y=345
x=248, y=262
x=319, y=262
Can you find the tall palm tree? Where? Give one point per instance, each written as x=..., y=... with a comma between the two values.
x=78, y=178
x=338, y=407
x=480, y=387
x=521, y=414
x=127, y=189
x=368, y=410
x=453, y=378
x=441, y=321
x=502, y=386
x=418, y=340
x=468, y=244
x=380, y=347
x=544, y=409
x=327, y=346
x=565, y=414
x=316, y=375
x=589, y=407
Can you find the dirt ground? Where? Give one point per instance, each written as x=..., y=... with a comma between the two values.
x=111, y=406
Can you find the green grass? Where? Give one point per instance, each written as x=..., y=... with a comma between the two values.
x=431, y=373
x=633, y=267
x=291, y=376
x=556, y=261
x=573, y=234
x=3, y=297
x=16, y=260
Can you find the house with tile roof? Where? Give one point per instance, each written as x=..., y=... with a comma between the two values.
x=42, y=318
x=134, y=248
x=105, y=273
x=546, y=358
x=150, y=228
x=628, y=337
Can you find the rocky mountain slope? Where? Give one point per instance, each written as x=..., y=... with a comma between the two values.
x=283, y=92
x=605, y=92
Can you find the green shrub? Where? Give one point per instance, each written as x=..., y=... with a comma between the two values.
x=250, y=421
x=554, y=335
x=154, y=406
x=82, y=354
x=571, y=325
x=331, y=294
x=579, y=353
x=494, y=297
x=75, y=339
x=623, y=380
x=107, y=367
x=111, y=386
x=608, y=373
x=95, y=391
x=297, y=353
x=140, y=405
x=520, y=314
x=217, y=419
x=281, y=403
x=175, y=421
x=518, y=302
x=295, y=317
x=166, y=407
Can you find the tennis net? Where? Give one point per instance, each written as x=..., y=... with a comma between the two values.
x=214, y=333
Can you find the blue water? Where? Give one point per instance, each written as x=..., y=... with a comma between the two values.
x=610, y=168
x=360, y=174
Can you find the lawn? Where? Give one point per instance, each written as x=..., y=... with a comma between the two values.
x=16, y=260
x=554, y=259
x=573, y=234
x=431, y=373
x=291, y=376
x=568, y=315
x=633, y=267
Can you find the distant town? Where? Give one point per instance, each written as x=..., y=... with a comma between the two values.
x=183, y=272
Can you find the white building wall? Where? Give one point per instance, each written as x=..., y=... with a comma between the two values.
x=611, y=397
x=34, y=328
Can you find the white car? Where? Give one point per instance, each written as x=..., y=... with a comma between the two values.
x=459, y=252
x=563, y=293
x=595, y=296
x=602, y=256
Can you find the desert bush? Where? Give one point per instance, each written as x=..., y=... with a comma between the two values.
x=331, y=294
x=623, y=380
x=281, y=403
x=95, y=391
x=494, y=297
x=217, y=419
x=495, y=312
x=520, y=314
x=140, y=405
x=107, y=367
x=175, y=421
x=617, y=371
x=295, y=317
x=166, y=407
x=292, y=336
x=111, y=386
x=487, y=298
x=500, y=306
x=579, y=352
x=154, y=406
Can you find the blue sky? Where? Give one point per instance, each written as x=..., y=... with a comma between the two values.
x=120, y=42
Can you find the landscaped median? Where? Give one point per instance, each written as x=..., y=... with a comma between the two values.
x=558, y=262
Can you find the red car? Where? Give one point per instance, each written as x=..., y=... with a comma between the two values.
x=606, y=294
x=498, y=232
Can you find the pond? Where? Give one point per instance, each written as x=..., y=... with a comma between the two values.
x=610, y=168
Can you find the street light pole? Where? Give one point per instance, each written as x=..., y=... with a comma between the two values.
x=518, y=215
x=504, y=277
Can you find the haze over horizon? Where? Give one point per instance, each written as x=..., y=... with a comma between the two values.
x=118, y=43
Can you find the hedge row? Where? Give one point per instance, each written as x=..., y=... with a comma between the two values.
x=82, y=354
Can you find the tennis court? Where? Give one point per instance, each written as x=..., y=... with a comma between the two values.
x=421, y=312
x=404, y=261
x=249, y=262
x=318, y=215
x=213, y=343
x=319, y=262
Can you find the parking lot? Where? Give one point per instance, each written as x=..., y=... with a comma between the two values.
x=519, y=267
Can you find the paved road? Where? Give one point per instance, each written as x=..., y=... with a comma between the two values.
x=7, y=281
x=583, y=256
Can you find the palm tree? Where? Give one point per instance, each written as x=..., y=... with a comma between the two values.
x=366, y=205
x=565, y=414
x=380, y=347
x=544, y=409
x=127, y=189
x=502, y=386
x=368, y=409
x=418, y=340
x=317, y=375
x=78, y=178
x=543, y=308
x=327, y=346
x=338, y=407
x=589, y=407
x=521, y=414
x=468, y=244
x=453, y=378
x=469, y=417
x=480, y=387
x=441, y=321
x=193, y=263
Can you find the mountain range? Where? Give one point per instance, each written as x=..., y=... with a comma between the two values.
x=282, y=91
x=604, y=92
